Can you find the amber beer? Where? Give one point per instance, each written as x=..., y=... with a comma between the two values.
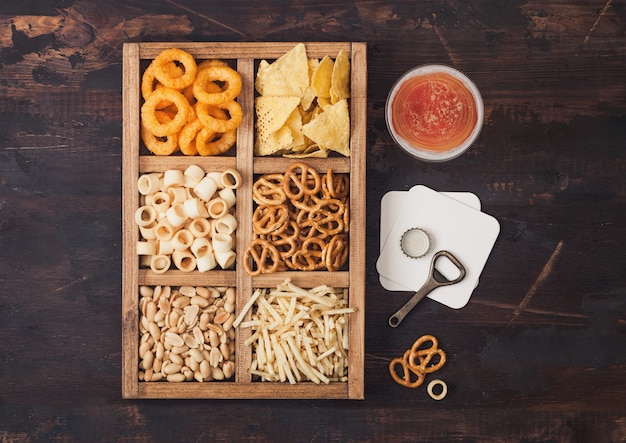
x=434, y=112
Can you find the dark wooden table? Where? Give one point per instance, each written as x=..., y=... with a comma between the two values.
x=538, y=354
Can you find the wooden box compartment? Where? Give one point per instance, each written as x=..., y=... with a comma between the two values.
x=136, y=161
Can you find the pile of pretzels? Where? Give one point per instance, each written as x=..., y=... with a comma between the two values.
x=300, y=222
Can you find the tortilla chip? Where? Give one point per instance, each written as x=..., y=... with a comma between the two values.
x=331, y=128
x=294, y=123
x=286, y=76
x=340, y=82
x=274, y=142
x=273, y=112
x=312, y=151
x=322, y=77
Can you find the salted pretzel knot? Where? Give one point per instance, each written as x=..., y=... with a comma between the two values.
x=270, y=219
x=261, y=257
x=417, y=361
x=300, y=180
x=420, y=359
x=268, y=190
x=406, y=379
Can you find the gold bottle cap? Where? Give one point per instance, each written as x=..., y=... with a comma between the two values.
x=415, y=243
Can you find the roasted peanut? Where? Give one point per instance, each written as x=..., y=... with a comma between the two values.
x=186, y=334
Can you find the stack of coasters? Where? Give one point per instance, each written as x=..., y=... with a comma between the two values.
x=453, y=221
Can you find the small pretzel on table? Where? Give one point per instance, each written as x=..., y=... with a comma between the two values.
x=416, y=360
x=406, y=378
x=424, y=356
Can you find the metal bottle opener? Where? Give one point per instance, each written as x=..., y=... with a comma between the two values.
x=435, y=280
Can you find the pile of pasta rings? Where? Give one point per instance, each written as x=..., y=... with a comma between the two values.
x=189, y=107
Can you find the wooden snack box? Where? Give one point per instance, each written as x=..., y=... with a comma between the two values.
x=137, y=160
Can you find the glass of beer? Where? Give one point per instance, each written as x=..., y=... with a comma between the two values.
x=434, y=112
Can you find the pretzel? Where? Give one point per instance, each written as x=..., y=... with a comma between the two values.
x=308, y=229
x=416, y=360
x=261, y=257
x=406, y=378
x=300, y=180
x=268, y=190
x=270, y=219
x=335, y=186
x=336, y=253
x=287, y=246
x=424, y=356
x=328, y=217
x=306, y=203
x=310, y=257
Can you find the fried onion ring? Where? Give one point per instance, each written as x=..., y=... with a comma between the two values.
x=209, y=63
x=165, y=76
x=187, y=137
x=149, y=82
x=149, y=108
x=208, y=144
x=211, y=74
x=156, y=145
x=214, y=118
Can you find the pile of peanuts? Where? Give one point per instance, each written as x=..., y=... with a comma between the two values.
x=186, y=333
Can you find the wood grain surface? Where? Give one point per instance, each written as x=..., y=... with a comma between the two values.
x=537, y=355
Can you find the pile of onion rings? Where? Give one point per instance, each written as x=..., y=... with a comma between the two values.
x=189, y=107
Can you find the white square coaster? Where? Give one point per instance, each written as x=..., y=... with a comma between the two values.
x=453, y=224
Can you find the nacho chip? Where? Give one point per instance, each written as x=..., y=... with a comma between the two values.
x=302, y=108
x=331, y=128
x=322, y=77
x=286, y=76
x=274, y=143
x=314, y=153
x=273, y=112
x=340, y=82
x=294, y=123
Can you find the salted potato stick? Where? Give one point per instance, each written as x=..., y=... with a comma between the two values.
x=298, y=334
x=247, y=307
